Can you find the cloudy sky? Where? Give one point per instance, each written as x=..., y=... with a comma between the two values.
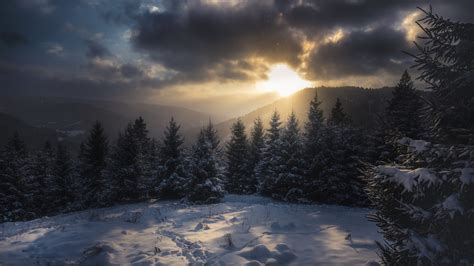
x=208, y=55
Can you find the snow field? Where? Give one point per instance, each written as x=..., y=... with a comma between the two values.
x=242, y=230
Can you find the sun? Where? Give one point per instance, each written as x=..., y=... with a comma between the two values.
x=283, y=80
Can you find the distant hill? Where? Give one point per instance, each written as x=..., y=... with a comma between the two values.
x=34, y=137
x=74, y=117
x=361, y=104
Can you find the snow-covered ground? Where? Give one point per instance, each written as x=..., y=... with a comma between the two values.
x=242, y=230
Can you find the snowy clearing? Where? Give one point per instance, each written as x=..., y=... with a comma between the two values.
x=242, y=230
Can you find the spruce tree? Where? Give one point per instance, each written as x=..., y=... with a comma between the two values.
x=336, y=166
x=404, y=110
x=257, y=145
x=93, y=160
x=238, y=176
x=40, y=181
x=446, y=63
x=173, y=176
x=425, y=200
x=62, y=187
x=266, y=170
x=204, y=184
x=211, y=134
x=13, y=162
x=313, y=142
x=123, y=169
x=289, y=180
x=338, y=116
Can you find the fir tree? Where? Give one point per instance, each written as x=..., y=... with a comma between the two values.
x=173, y=176
x=204, y=184
x=446, y=62
x=238, y=176
x=62, y=188
x=424, y=201
x=146, y=159
x=13, y=161
x=338, y=116
x=257, y=145
x=93, y=160
x=211, y=134
x=123, y=167
x=313, y=141
x=404, y=110
x=289, y=180
x=266, y=170
x=40, y=181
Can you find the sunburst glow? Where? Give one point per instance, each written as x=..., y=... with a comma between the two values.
x=284, y=80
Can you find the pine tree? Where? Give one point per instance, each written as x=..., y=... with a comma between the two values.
x=266, y=170
x=238, y=176
x=173, y=176
x=425, y=200
x=313, y=142
x=205, y=184
x=13, y=161
x=338, y=116
x=40, y=181
x=123, y=170
x=93, y=160
x=62, y=187
x=257, y=145
x=289, y=181
x=446, y=62
x=211, y=134
x=404, y=110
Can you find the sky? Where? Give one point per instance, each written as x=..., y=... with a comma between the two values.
x=214, y=56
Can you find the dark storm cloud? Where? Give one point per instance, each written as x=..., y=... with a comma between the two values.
x=360, y=53
x=96, y=50
x=195, y=41
x=12, y=39
x=203, y=37
x=193, y=37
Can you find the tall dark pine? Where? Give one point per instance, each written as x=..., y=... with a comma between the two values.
x=446, y=62
x=62, y=187
x=173, y=176
x=40, y=181
x=13, y=160
x=425, y=203
x=257, y=145
x=266, y=170
x=211, y=134
x=313, y=140
x=289, y=180
x=145, y=161
x=204, y=184
x=93, y=160
x=123, y=167
x=404, y=110
x=238, y=176
x=338, y=116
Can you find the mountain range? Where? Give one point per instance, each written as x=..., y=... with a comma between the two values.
x=38, y=119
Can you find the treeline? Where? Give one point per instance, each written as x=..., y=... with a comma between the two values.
x=134, y=168
x=318, y=163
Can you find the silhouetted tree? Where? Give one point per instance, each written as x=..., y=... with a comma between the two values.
x=266, y=170
x=204, y=184
x=93, y=160
x=173, y=176
x=238, y=176
x=404, y=110
x=13, y=162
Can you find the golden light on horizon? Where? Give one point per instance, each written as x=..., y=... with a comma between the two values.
x=283, y=80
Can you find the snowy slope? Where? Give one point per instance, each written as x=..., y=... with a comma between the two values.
x=243, y=230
